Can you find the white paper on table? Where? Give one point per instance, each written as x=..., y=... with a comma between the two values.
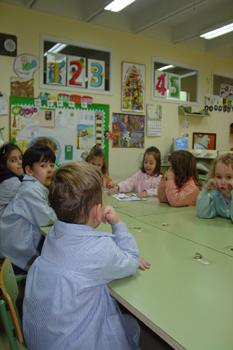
x=125, y=197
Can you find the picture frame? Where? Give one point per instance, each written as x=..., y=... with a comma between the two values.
x=202, y=140
x=133, y=87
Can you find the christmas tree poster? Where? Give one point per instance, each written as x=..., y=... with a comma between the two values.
x=133, y=87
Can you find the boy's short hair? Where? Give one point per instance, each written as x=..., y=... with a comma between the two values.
x=75, y=188
x=47, y=142
x=226, y=159
x=38, y=153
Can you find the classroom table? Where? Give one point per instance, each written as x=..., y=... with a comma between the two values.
x=140, y=208
x=216, y=233
x=186, y=301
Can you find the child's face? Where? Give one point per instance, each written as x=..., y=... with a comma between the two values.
x=149, y=164
x=224, y=177
x=43, y=171
x=97, y=161
x=14, y=162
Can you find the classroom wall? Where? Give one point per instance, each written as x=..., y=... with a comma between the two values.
x=28, y=24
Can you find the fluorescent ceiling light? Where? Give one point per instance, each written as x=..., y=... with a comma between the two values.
x=166, y=67
x=217, y=32
x=118, y=5
x=188, y=74
x=56, y=48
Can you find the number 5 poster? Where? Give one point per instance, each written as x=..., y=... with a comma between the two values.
x=133, y=87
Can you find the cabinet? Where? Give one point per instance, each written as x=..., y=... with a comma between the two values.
x=187, y=111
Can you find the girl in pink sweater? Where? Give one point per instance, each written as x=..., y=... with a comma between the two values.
x=145, y=182
x=180, y=184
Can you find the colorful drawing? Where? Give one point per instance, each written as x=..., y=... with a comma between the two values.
x=25, y=65
x=76, y=71
x=128, y=130
x=85, y=136
x=21, y=87
x=133, y=86
x=56, y=69
x=96, y=74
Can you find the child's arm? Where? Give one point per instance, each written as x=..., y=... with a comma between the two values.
x=178, y=197
x=161, y=191
x=122, y=255
x=205, y=205
x=152, y=191
x=36, y=207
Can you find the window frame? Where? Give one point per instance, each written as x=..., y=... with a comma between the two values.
x=182, y=65
x=54, y=39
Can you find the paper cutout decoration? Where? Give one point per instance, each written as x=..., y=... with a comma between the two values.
x=96, y=74
x=3, y=105
x=25, y=65
x=56, y=69
x=174, y=85
x=76, y=68
x=160, y=84
x=21, y=87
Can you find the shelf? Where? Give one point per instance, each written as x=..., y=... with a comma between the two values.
x=182, y=112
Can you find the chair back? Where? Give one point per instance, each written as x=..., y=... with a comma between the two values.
x=10, y=293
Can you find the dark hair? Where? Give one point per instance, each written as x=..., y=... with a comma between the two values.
x=183, y=164
x=156, y=154
x=97, y=151
x=75, y=188
x=38, y=153
x=6, y=150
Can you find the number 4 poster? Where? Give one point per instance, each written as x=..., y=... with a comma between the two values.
x=160, y=84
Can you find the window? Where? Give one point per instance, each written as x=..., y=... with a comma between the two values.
x=219, y=79
x=175, y=82
x=75, y=66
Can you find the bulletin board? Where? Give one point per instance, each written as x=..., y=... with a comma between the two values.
x=74, y=129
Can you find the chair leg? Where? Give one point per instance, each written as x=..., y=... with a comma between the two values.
x=8, y=326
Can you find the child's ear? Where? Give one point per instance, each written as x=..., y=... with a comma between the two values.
x=28, y=170
x=96, y=212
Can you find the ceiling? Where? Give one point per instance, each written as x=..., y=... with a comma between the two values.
x=178, y=22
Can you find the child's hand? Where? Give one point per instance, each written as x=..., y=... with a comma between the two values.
x=143, y=194
x=114, y=190
x=170, y=175
x=110, y=215
x=211, y=185
x=230, y=184
x=112, y=184
x=144, y=264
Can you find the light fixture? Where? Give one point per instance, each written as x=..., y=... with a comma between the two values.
x=166, y=67
x=56, y=48
x=118, y=5
x=188, y=74
x=214, y=32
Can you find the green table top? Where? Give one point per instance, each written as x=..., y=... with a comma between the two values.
x=216, y=233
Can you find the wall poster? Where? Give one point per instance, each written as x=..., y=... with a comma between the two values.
x=133, y=87
x=128, y=130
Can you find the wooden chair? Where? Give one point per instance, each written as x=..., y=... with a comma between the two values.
x=8, y=309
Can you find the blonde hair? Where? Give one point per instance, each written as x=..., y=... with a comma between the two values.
x=226, y=159
x=47, y=142
x=75, y=188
